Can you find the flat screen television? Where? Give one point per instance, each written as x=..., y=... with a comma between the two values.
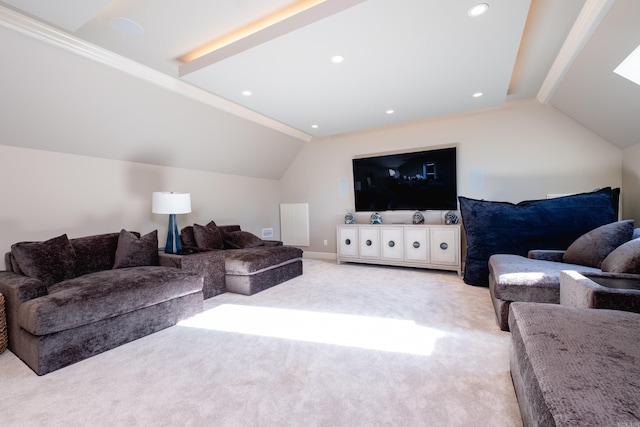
x=417, y=181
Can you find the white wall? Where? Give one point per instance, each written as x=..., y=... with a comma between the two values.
x=631, y=182
x=45, y=194
x=522, y=151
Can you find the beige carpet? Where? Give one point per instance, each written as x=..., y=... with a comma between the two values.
x=342, y=345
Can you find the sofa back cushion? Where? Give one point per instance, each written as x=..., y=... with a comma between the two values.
x=187, y=237
x=208, y=237
x=95, y=253
x=592, y=248
x=507, y=228
x=624, y=259
x=51, y=261
x=136, y=251
x=241, y=240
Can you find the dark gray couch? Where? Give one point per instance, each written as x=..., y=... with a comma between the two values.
x=66, y=302
x=240, y=262
x=613, y=247
x=575, y=366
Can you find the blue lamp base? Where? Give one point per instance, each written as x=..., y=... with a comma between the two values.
x=174, y=246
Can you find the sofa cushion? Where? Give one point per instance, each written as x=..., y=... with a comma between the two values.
x=575, y=367
x=95, y=253
x=624, y=259
x=507, y=228
x=134, y=251
x=593, y=247
x=517, y=278
x=104, y=294
x=208, y=237
x=252, y=261
x=51, y=261
x=241, y=240
x=187, y=238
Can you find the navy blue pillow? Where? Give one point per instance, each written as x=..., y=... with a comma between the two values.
x=507, y=228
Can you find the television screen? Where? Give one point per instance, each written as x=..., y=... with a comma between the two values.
x=424, y=180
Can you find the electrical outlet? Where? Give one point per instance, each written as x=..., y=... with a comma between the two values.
x=325, y=242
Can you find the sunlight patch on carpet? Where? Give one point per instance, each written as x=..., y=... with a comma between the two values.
x=373, y=333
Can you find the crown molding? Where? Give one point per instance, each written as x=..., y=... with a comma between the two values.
x=62, y=40
x=586, y=24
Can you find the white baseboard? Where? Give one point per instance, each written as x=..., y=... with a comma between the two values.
x=320, y=255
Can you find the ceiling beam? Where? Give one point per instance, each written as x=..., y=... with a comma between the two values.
x=60, y=39
x=281, y=23
x=590, y=17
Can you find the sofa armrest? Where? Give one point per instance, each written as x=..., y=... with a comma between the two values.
x=546, y=254
x=18, y=289
x=209, y=264
x=272, y=243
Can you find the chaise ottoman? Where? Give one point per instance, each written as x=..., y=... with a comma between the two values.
x=575, y=366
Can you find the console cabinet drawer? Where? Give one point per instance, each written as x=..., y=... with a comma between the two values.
x=425, y=245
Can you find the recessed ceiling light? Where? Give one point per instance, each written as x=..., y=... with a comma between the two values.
x=337, y=59
x=477, y=95
x=314, y=126
x=247, y=93
x=126, y=26
x=390, y=111
x=478, y=9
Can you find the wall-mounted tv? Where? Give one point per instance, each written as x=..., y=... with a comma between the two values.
x=422, y=180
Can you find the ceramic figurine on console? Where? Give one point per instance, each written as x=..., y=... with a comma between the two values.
x=349, y=218
x=418, y=218
x=376, y=218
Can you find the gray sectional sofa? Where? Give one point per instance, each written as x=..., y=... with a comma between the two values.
x=612, y=248
x=70, y=299
x=244, y=263
x=575, y=366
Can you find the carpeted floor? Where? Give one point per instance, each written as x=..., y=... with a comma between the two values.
x=341, y=345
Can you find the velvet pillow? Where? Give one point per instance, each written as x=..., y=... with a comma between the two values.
x=507, y=228
x=592, y=248
x=208, y=237
x=134, y=251
x=241, y=240
x=624, y=259
x=51, y=261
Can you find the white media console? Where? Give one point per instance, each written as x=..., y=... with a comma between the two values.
x=434, y=246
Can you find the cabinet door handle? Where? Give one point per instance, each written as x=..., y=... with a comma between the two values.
x=416, y=245
x=347, y=242
x=391, y=243
x=368, y=242
x=443, y=246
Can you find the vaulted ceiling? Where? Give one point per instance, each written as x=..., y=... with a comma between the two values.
x=402, y=61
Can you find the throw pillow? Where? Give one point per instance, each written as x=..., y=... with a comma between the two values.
x=624, y=259
x=51, y=261
x=134, y=251
x=592, y=248
x=187, y=238
x=507, y=228
x=208, y=237
x=241, y=240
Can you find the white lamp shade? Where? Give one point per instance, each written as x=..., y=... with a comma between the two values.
x=165, y=202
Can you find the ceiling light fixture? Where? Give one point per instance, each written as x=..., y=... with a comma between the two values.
x=478, y=9
x=390, y=111
x=247, y=93
x=126, y=26
x=477, y=95
x=315, y=126
x=337, y=59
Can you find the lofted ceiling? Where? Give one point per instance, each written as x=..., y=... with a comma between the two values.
x=418, y=58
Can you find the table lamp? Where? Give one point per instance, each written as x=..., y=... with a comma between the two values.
x=171, y=203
